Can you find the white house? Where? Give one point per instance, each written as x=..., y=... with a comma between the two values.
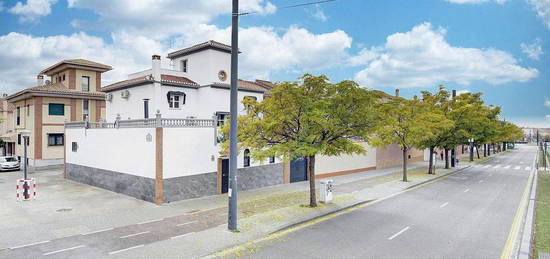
x=196, y=86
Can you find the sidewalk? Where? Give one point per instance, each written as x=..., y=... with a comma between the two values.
x=268, y=210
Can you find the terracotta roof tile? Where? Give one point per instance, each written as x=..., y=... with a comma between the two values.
x=78, y=62
x=200, y=46
x=178, y=80
x=56, y=88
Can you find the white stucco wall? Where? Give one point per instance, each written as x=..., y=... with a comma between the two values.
x=332, y=164
x=131, y=107
x=120, y=150
x=203, y=67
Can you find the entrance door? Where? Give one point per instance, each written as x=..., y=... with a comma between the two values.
x=298, y=170
x=225, y=175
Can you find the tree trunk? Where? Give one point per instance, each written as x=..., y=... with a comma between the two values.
x=484, y=150
x=503, y=146
x=453, y=157
x=404, y=164
x=489, y=149
x=446, y=158
x=430, y=167
x=311, y=176
x=477, y=149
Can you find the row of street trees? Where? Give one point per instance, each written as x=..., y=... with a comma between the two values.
x=316, y=117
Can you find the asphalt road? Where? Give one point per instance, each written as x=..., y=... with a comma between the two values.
x=467, y=215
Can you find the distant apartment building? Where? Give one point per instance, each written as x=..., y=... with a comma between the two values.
x=7, y=136
x=72, y=93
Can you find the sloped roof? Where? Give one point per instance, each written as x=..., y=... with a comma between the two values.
x=243, y=85
x=56, y=89
x=76, y=62
x=165, y=79
x=211, y=44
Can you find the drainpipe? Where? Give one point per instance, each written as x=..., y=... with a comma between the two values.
x=157, y=86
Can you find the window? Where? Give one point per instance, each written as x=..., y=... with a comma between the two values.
x=184, y=66
x=246, y=158
x=18, y=139
x=272, y=160
x=145, y=108
x=63, y=77
x=74, y=146
x=56, y=109
x=223, y=117
x=86, y=83
x=18, y=118
x=55, y=139
x=85, y=109
x=174, y=102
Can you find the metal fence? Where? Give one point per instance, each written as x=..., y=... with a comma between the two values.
x=145, y=123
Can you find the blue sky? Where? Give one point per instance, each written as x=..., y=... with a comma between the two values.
x=497, y=47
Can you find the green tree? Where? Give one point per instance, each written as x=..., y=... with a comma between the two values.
x=308, y=118
x=407, y=123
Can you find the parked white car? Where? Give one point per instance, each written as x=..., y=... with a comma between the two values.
x=9, y=163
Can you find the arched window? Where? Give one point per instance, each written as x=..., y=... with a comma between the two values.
x=246, y=158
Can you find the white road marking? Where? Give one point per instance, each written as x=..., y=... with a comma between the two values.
x=527, y=168
x=444, y=204
x=136, y=234
x=182, y=235
x=506, y=167
x=186, y=223
x=63, y=250
x=467, y=190
x=487, y=166
x=517, y=167
x=125, y=249
x=496, y=166
x=480, y=181
x=398, y=233
x=150, y=221
x=521, y=162
x=97, y=231
x=31, y=244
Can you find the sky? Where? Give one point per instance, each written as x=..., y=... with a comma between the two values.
x=496, y=47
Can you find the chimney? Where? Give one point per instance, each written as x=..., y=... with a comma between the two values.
x=155, y=72
x=40, y=80
x=454, y=93
x=396, y=92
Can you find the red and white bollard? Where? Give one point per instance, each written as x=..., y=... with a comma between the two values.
x=20, y=189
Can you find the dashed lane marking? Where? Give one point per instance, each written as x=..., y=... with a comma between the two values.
x=174, y=237
x=527, y=168
x=63, y=250
x=487, y=166
x=186, y=223
x=517, y=167
x=480, y=181
x=496, y=166
x=97, y=231
x=398, y=233
x=136, y=234
x=125, y=249
x=467, y=190
x=150, y=221
x=506, y=167
x=31, y=244
x=444, y=204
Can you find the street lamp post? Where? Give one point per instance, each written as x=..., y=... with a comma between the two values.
x=25, y=134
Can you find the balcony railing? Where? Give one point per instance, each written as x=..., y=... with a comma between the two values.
x=145, y=123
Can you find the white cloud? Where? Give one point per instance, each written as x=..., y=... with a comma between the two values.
x=542, y=8
x=32, y=10
x=161, y=19
x=533, y=50
x=318, y=13
x=475, y=1
x=422, y=57
x=547, y=102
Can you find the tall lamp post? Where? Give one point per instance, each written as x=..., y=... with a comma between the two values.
x=232, y=192
x=26, y=134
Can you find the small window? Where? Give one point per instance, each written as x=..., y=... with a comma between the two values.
x=56, y=109
x=246, y=158
x=18, y=139
x=175, y=101
x=55, y=139
x=63, y=77
x=184, y=66
x=86, y=83
x=145, y=108
x=18, y=117
x=222, y=119
x=74, y=146
x=85, y=109
x=272, y=160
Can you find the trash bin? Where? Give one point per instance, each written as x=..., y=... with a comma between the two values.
x=326, y=191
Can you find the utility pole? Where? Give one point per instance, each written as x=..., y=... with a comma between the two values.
x=232, y=192
x=453, y=153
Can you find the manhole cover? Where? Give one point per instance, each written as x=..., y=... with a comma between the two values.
x=64, y=210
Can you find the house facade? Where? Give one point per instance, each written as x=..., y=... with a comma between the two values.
x=72, y=93
x=7, y=136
